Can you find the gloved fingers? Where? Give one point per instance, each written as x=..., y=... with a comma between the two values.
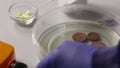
x=107, y=57
x=49, y=61
x=67, y=53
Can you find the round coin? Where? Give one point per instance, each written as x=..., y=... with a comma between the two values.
x=81, y=37
x=93, y=36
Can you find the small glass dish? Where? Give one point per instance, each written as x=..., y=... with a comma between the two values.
x=22, y=13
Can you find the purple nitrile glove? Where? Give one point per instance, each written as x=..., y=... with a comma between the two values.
x=79, y=55
x=106, y=58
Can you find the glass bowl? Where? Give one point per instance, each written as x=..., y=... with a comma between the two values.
x=21, y=13
x=61, y=23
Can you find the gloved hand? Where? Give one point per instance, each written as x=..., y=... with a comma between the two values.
x=106, y=58
x=79, y=55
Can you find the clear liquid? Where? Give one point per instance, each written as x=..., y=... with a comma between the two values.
x=25, y=21
x=54, y=36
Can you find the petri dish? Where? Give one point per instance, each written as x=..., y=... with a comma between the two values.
x=51, y=38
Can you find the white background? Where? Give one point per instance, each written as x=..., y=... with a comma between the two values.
x=21, y=38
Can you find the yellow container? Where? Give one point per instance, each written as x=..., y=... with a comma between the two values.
x=6, y=55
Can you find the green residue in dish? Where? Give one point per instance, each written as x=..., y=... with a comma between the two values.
x=25, y=15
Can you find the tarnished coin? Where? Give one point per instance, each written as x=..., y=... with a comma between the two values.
x=93, y=36
x=81, y=37
x=98, y=43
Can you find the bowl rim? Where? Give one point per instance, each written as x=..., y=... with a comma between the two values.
x=112, y=14
x=16, y=3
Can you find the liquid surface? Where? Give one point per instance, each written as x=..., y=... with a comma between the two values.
x=55, y=35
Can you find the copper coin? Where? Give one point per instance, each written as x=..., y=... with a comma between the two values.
x=81, y=37
x=98, y=43
x=93, y=36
